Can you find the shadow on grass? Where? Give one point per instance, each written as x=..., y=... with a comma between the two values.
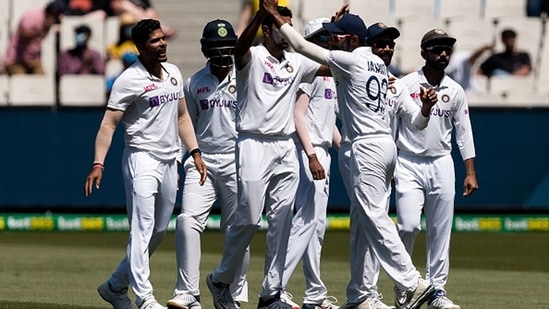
x=26, y=305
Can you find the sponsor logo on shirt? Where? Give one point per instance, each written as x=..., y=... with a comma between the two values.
x=415, y=95
x=205, y=89
x=150, y=87
x=390, y=102
x=277, y=81
x=329, y=94
x=219, y=103
x=173, y=81
x=441, y=112
x=163, y=98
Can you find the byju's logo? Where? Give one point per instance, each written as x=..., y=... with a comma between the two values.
x=268, y=78
x=154, y=101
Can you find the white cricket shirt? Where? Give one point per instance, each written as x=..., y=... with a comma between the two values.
x=361, y=81
x=321, y=112
x=267, y=90
x=402, y=110
x=150, y=106
x=212, y=107
x=451, y=111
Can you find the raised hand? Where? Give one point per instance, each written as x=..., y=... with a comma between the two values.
x=344, y=9
x=268, y=6
x=428, y=98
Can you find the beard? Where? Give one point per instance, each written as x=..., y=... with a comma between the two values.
x=439, y=63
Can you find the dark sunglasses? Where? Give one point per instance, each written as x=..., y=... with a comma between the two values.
x=324, y=38
x=439, y=49
x=384, y=43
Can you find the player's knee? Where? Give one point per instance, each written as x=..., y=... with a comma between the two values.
x=185, y=221
x=409, y=227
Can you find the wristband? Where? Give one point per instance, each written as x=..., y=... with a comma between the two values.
x=196, y=150
x=99, y=165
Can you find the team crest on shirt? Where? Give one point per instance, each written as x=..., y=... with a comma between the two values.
x=173, y=81
x=289, y=68
x=393, y=89
x=232, y=89
x=445, y=98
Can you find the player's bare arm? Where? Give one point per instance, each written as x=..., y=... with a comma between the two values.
x=103, y=141
x=302, y=131
x=336, y=140
x=242, y=53
x=470, y=184
x=188, y=137
x=428, y=98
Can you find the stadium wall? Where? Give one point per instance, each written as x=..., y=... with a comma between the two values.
x=47, y=154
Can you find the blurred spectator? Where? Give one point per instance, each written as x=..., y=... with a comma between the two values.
x=509, y=62
x=24, y=50
x=93, y=9
x=142, y=9
x=249, y=7
x=462, y=67
x=81, y=59
x=125, y=43
x=537, y=8
x=127, y=60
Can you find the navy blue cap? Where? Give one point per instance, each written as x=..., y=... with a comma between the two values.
x=380, y=29
x=219, y=31
x=348, y=24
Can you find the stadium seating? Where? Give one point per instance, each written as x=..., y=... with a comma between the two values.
x=372, y=11
x=416, y=9
x=4, y=90
x=69, y=23
x=82, y=90
x=448, y=9
x=407, y=50
x=31, y=90
x=470, y=21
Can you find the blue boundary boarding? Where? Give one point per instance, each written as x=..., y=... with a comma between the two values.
x=119, y=223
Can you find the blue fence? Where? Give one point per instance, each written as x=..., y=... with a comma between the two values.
x=46, y=156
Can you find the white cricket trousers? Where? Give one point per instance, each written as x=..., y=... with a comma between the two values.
x=372, y=166
x=151, y=188
x=309, y=227
x=267, y=177
x=197, y=202
x=427, y=183
x=369, y=267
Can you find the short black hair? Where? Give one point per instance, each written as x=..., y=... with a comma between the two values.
x=142, y=30
x=508, y=33
x=55, y=7
x=83, y=29
x=282, y=10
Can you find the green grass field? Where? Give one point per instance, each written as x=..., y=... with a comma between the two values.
x=41, y=270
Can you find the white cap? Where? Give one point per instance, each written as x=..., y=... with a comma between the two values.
x=315, y=26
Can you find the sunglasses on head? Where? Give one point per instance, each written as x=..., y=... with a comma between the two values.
x=384, y=43
x=439, y=49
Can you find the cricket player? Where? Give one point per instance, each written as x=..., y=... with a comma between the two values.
x=267, y=80
x=373, y=150
x=315, y=117
x=211, y=101
x=424, y=177
x=148, y=98
x=398, y=103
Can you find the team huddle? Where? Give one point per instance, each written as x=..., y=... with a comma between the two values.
x=257, y=123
